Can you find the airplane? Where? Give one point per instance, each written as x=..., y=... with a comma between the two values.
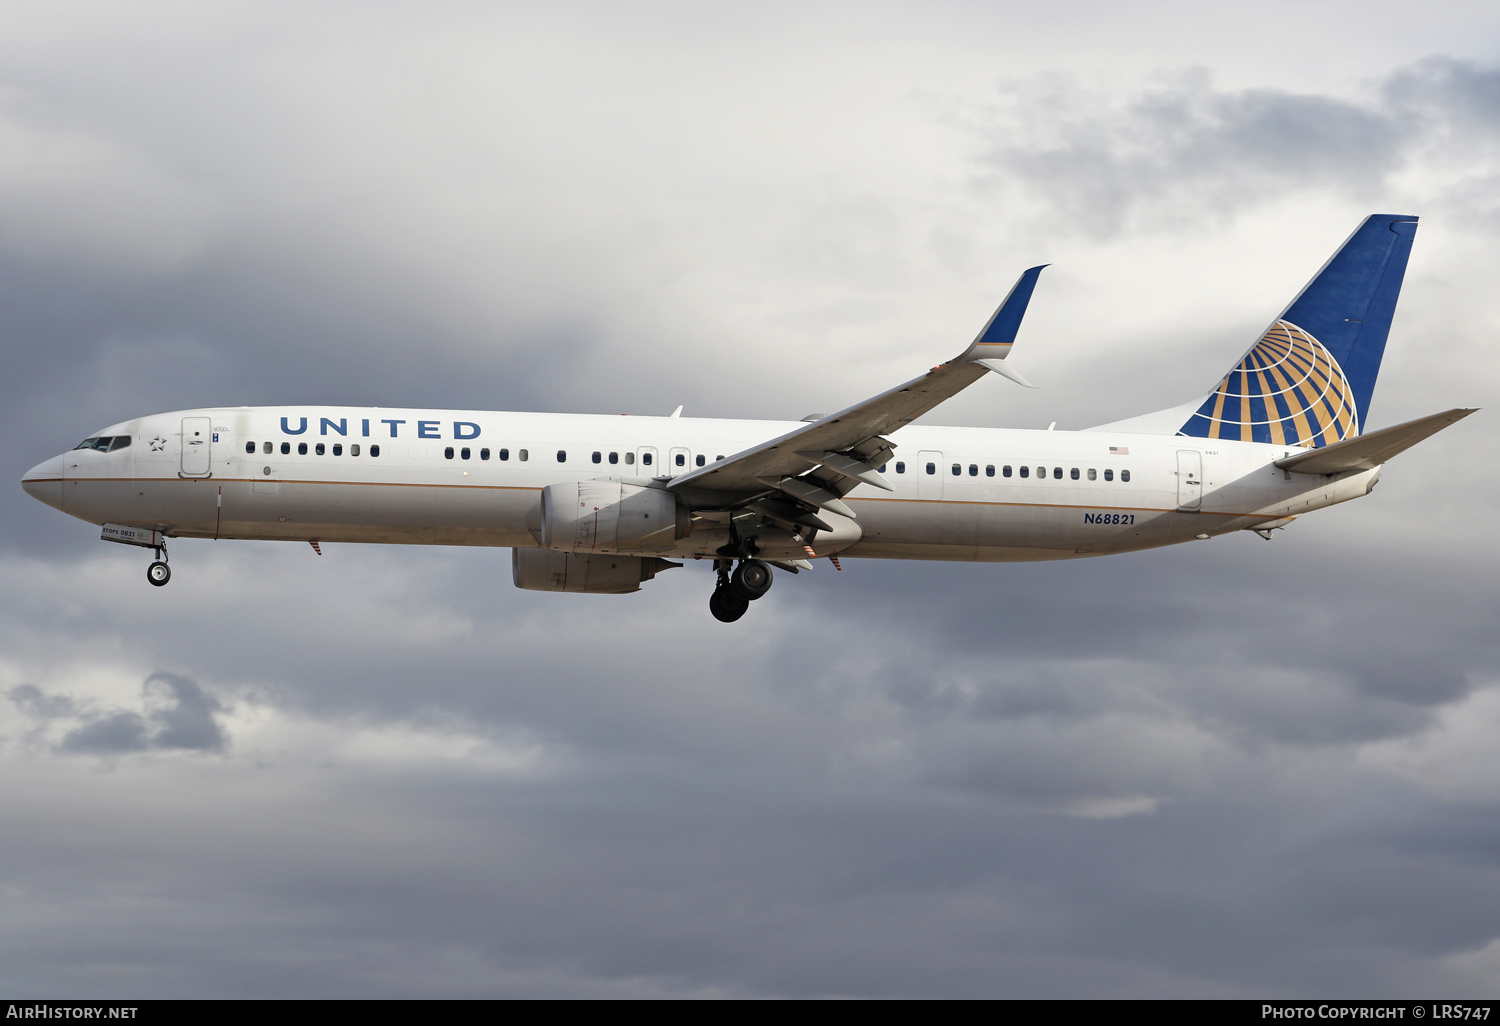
x=601, y=504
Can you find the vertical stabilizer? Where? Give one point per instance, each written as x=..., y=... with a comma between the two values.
x=1309, y=379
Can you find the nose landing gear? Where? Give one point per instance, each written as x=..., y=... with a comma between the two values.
x=734, y=592
x=158, y=573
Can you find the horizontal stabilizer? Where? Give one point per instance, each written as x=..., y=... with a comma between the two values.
x=1368, y=451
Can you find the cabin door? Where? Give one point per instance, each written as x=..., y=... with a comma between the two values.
x=1189, y=479
x=197, y=449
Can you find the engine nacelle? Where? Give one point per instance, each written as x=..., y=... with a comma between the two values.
x=607, y=516
x=550, y=570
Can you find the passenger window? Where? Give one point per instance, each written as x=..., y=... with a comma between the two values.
x=319, y=449
x=1025, y=471
x=614, y=457
x=932, y=468
x=646, y=459
x=630, y=459
x=250, y=447
x=989, y=470
x=718, y=458
x=1093, y=474
x=681, y=460
x=562, y=455
x=522, y=455
x=463, y=453
x=1005, y=470
x=1073, y=473
x=597, y=457
x=354, y=449
x=900, y=467
x=1124, y=475
x=957, y=470
x=503, y=455
x=973, y=470
x=267, y=449
x=1041, y=472
x=1109, y=475
x=338, y=448
x=1057, y=473
x=448, y=453
x=301, y=448
x=701, y=459
x=286, y=448
x=484, y=454
x=374, y=450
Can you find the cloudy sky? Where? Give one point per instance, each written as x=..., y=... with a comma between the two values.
x=1231, y=769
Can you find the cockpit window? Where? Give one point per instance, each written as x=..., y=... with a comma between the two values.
x=104, y=443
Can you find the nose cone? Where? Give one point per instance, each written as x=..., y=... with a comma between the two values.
x=45, y=482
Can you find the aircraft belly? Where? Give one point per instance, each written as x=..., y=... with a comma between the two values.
x=1006, y=531
x=385, y=513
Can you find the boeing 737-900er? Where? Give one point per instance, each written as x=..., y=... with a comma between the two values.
x=602, y=503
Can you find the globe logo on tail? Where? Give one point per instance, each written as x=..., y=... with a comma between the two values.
x=1288, y=390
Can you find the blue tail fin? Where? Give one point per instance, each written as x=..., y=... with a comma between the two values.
x=1309, y=379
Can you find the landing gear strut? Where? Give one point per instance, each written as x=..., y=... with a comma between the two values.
x=734, y=592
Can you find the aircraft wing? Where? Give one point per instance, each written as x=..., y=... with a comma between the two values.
x=1370, y=450
x=817, y=464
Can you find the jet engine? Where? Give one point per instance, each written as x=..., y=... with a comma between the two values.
x=549, y=570
x=607, y=516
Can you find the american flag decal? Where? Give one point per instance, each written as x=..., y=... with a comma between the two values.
x=1119, y=450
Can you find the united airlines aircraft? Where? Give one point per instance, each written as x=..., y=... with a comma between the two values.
x=602, y=504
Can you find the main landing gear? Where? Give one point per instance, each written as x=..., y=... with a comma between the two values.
x=735, y=591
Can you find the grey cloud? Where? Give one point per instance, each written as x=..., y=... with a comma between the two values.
x=37, y=704
x=178, y=714
x=114, y=733
x=1182, y=150
x=1452, y=95
x=186, y=718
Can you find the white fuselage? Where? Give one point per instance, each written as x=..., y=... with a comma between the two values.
x=194, y=474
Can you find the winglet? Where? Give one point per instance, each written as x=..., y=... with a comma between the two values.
x=994, y=340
